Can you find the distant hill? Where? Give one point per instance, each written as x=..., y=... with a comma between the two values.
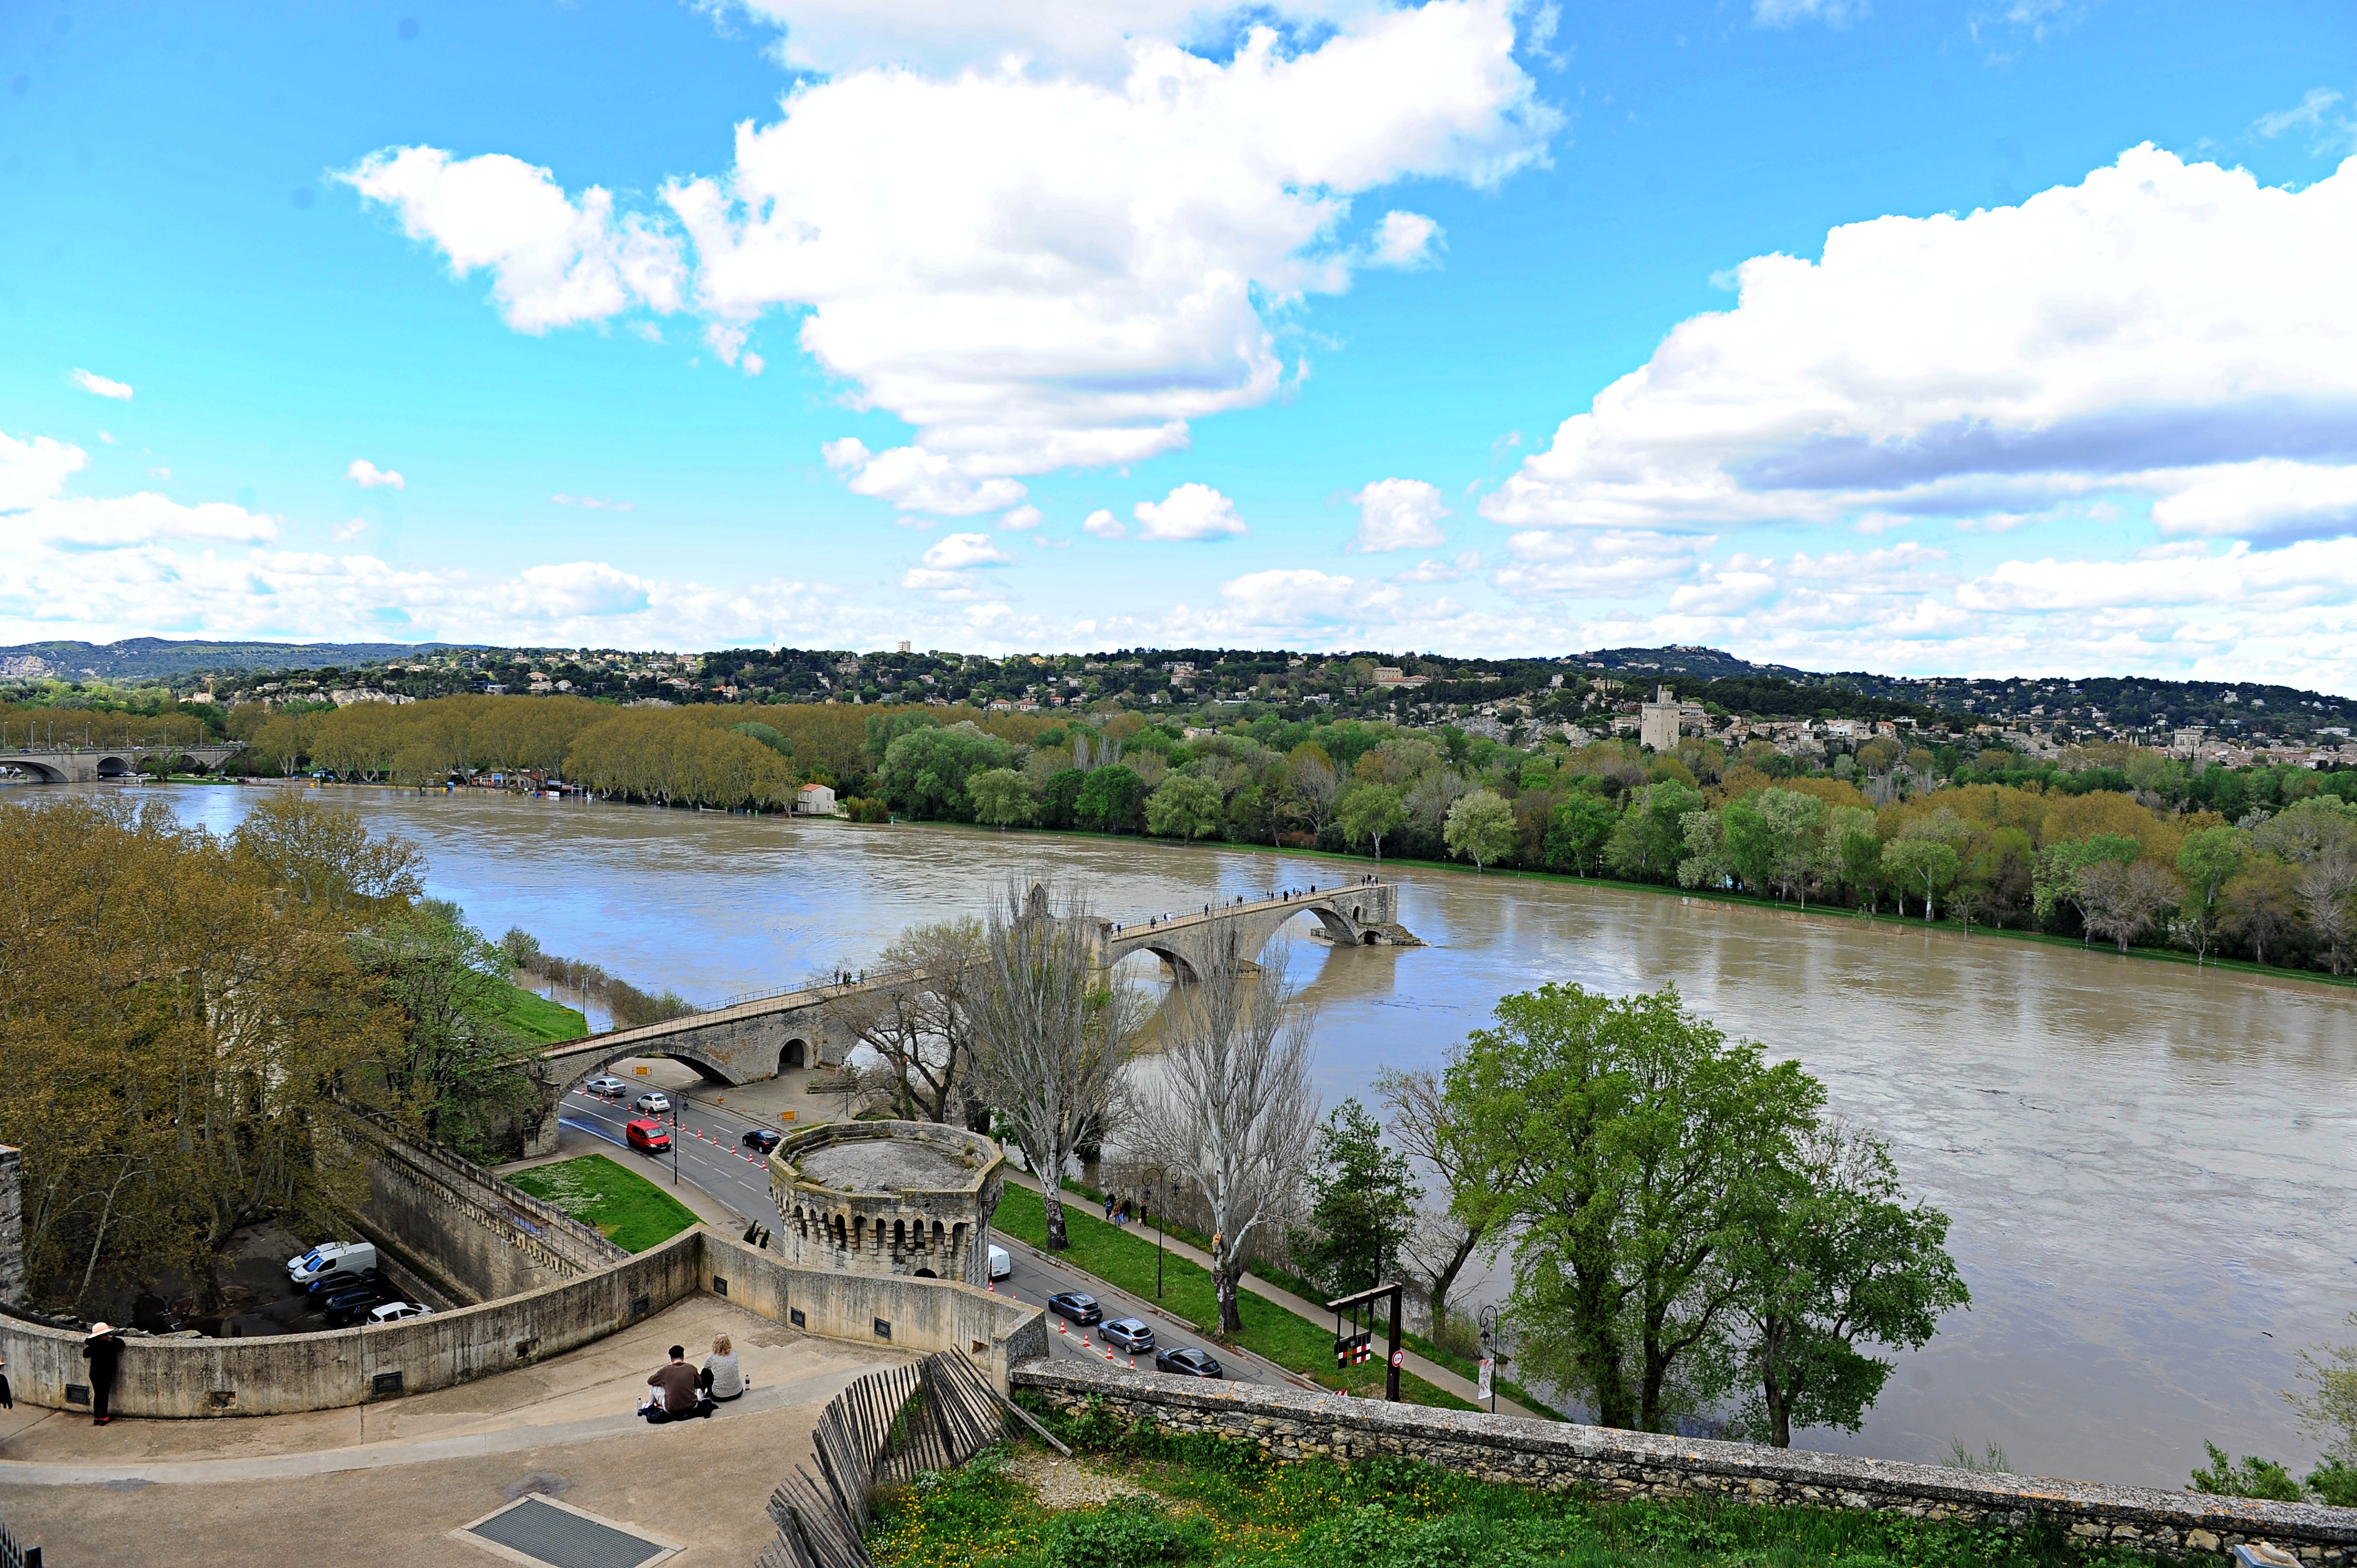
x=158, y=658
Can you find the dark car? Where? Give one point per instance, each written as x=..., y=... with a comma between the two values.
x=326, y=1285
x=1187, y=1363
x=763, y=1139
x=358, y=1304
x=1076, y=1305
x=1129, y=1333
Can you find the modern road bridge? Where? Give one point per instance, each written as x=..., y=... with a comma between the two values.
x=818, y=1025
x=89, y=764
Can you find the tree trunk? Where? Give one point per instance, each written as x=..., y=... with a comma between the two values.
x=1224, y=1276
x=1443, y=1280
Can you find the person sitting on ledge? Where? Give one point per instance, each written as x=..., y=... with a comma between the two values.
x=674, y=1398
x=722, y=1379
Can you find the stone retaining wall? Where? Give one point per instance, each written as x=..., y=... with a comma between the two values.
x=1292, y=1423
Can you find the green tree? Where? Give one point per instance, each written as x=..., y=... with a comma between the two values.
x=1650, y=838
x=1362, y=1203
x=2328, y=1412
x=1183, y=806
x=1622, y=1142
x=1924, y=866
x=1773, y=839
x=1371, y=811
x=752, y=729
x=925, y=770
x=457, y=1070
x=2261, y=906
x=1577, y=830
x=1852, y=853
x=2054, y=875
x=1835, y=1257
x=1059, y=798
x=1480, y=828
x=1110, y=800
x=2253, y=1478
x=1001, y=797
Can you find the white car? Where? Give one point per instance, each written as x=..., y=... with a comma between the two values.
x=1001, y=1266
x=651, y=1104
x=394, y=1311
x=607, y=1087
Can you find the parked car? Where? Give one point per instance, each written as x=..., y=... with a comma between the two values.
x=654, y=1102
x=327, y=1285
x=647, y=1137
x=330, y=1258
x=1076, y=1305
x=1001, y=1264
x=1187, y=1363
x=607, y=1087
x=353, y=1306
x=394, y=1311
x=763, y=1139
x=1129, y=1333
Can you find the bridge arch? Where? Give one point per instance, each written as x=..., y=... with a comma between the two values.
x=114, y=767
x=1182, y=969
x=1344, y=932
x=794, y=1053
x=41, y=770
x=707, y=1069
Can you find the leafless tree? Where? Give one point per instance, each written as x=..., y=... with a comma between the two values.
x=922, y=1029
x=1234, y=1115
x=1420, y=1123
x=2324, y=887
x=1051, y=1033
x=2123, y=901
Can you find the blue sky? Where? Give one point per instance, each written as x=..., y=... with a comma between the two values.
x=1986, y=337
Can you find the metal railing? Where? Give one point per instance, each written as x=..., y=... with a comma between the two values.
x=15, y=1554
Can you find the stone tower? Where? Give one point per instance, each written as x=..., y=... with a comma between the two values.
x=887, y=1197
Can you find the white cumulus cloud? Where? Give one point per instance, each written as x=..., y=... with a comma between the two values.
x=1191, y=511
x=554, y=261
x=101, y=386
x=957, y=551
x=1034, y=270
x=1399, y=514
x=369, y=477
x=2127, y=334
x=1103, y=524
x=34, y=469
x=913, y=479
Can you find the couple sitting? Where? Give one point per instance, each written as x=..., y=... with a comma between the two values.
x=681, y=1392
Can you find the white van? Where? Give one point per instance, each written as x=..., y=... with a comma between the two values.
x=1001, y=1266
x=330, y=1258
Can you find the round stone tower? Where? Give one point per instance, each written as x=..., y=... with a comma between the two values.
x=887, y=1197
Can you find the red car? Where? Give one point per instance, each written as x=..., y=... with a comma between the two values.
x=648, y=1136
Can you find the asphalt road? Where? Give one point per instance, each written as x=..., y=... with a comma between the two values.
x=714, y=1157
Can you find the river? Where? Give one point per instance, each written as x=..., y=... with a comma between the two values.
x=2149, y=1166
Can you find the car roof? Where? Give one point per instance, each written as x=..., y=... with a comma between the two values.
x=1080, y=1295
x=1126, y=1323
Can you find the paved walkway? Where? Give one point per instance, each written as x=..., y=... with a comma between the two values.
x=1431, y=1372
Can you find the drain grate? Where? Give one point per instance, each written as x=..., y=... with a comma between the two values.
x=536, y=1529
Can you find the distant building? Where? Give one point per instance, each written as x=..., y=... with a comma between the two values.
x=813, y=800
x=1387, y=676
x=1658, y=721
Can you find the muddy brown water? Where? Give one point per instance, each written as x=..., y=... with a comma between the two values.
x=2149, y=1166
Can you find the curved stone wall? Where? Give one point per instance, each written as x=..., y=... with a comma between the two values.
x=911, y=1198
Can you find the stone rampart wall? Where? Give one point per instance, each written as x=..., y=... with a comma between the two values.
x=338, y=1368
x=1292, y=1423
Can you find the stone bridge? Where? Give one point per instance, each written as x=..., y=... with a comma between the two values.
x=89, y=764
x=1352, y=913
x=818, y=1025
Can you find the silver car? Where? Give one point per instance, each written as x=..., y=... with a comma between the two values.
x=607, y=1087
x=651, y=1104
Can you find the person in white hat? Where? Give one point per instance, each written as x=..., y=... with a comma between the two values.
x=104, y=1351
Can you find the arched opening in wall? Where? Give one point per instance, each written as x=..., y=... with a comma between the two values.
x=1367, y=938
x=112, y=767
x=927, y=1274
x=1330, y=926
x=899, y=1235
x=841, y=1238
x=796, y=1054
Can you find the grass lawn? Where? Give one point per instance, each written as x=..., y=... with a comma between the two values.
x=1123, y=1255
x=633, y=1212
x=536, y=1018
x=1208, y=1501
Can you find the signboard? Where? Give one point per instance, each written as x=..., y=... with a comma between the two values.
x=1487, y=1366
x=1351, y=1349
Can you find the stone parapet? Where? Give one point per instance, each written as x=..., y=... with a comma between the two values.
x=12, y=1224
x=1293, y=1425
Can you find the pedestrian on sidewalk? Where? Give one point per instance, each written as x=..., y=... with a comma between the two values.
x=1108, y=1207
x=7, y=1400
x=104, y=1351
x=722, y=1377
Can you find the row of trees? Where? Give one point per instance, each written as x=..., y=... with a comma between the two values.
x=187, y=1010
x=2099, y=864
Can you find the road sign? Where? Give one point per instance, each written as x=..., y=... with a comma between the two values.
x=1487, y=1367
x=1351, y=1349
